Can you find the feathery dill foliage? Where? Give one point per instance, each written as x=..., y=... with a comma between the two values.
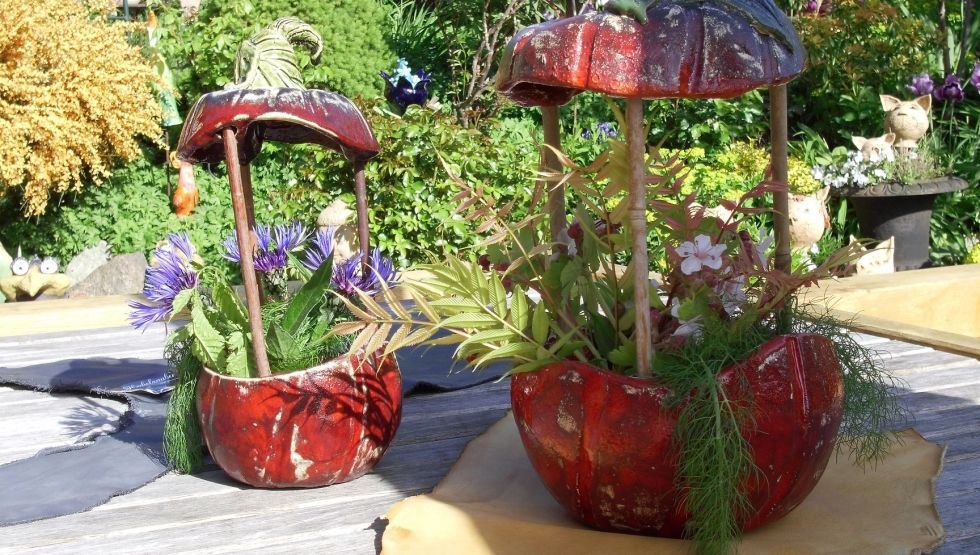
x=870, y=407
x=715, y=458
x=309, y=346
x=182, y=438
x=74, y=95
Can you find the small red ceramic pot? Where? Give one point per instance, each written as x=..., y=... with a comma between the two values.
x=316, y=427
x=604, y=445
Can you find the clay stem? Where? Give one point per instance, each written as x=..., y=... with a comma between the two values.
x=360, y=191
x=245, y=246
x=250, y=213
x=779, y=138
x=636, y=142
x=551, y=164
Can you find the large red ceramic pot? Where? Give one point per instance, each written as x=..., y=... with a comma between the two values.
x=604, y=445
x=316, y=427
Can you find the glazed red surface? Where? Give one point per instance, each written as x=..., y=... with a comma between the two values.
x=283, y=115
x=318, y=427
x=603, y=443
x=686, y=49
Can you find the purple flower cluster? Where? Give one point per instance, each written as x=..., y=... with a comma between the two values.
x=350, y=275
x=171, y=275
x=950, y=91
x=273, y=246
x=603, y=130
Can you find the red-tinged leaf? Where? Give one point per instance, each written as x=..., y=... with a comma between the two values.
x=728, y=204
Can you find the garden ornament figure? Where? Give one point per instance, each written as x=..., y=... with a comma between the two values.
x=269, y=102
x=808, y=218
x=29, y=278
x=907, y=119
x=336, y=218
x=402, y=87
x=876, y=148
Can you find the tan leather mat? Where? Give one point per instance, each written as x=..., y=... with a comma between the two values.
x=493, y=502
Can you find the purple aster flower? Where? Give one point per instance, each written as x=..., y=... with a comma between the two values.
x=606, y=128
x=586, y=133
x=975, y=76
x=348, y=275
x=171, y=275
x=272, y=248
x=322, y=250
x=921, y=85
x=402, y=87
x=951, y=91
x=812, y=6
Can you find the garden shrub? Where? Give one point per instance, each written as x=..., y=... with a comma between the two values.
x=74, y=95
x=410, y=193
x=202, y=49
x=411, y=196
x=857, y=50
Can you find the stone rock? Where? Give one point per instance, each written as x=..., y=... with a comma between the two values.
x=122, y=275
x=87, y=261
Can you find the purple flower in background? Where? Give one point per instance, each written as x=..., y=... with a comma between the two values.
x=402, y=87
x=272, y=248
x=171, y=275
x=603, y=130
x=347, y=276
x=975, y=76
x=812, y=6
x=951, y=91
x=321, y=251
x=921, y=85
x=606, y=128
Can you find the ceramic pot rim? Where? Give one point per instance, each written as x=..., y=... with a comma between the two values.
x=331, y=364
x=634, y=381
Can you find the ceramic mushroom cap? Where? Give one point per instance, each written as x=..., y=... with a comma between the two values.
x=706, y=49
x=286, y=115
x=269, y=101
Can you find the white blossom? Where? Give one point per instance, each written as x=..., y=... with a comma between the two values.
x=699, y=253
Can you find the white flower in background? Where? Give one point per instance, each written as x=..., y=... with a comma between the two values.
x=699, y=253
x=732, y=295
x=687, y=327
x=565, y=239
x=765, y=241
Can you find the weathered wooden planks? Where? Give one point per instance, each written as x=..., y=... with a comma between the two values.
x=210, y=513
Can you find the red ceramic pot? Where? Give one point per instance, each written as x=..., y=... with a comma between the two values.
x=603, y=443
x=316, y=427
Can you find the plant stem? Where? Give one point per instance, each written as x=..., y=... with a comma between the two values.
x=636, y=142
x=779, y=133
x=245, y=246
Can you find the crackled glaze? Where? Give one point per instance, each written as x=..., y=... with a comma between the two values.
x=612, y=463
x=321, y=426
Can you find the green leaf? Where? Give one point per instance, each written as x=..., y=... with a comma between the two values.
x=279, y=342
x=624, y=355
x=571, y=272
x=604, y=333
x=528, y=367
x=509, y=351
x=209, y=343
x=307, y=298
x=539, y=324
x=519, y=309
x=240, y=362
x=470, y=320
x=229, y=304
x=181, y=300
x=499, y=297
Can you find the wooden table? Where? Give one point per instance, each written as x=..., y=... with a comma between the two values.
x=210, y=513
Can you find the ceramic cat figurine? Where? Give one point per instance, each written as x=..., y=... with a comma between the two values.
x=879, y=260
x=337, y=216
x=808, y=218
x=880, y=146
x=907, y=119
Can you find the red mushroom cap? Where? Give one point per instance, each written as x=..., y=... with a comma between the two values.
x=706, y=49
x=274, y=114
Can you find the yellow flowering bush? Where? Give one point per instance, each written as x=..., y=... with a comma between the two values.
x=74, y=94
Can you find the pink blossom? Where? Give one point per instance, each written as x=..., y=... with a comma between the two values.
x=699, y=253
